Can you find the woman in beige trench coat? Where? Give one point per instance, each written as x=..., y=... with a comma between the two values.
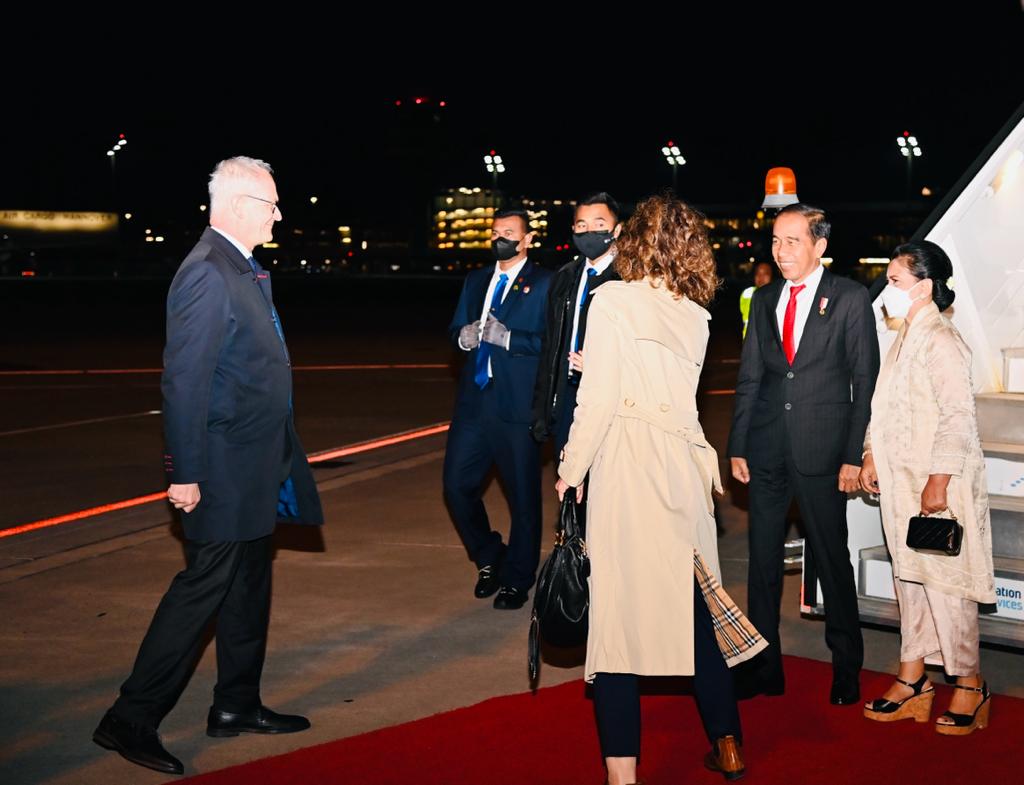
x=655, y=578
x=923, y=455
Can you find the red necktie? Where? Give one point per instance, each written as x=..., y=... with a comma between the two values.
x=788, y=344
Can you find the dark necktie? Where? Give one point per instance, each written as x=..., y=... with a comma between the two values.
x=579, y=307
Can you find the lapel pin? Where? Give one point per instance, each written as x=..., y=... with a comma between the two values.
x=822, y=305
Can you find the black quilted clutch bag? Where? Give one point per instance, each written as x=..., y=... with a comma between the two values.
x=935, y=535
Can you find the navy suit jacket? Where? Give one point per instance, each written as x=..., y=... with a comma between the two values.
x=514, y=369
x=227, y=400
x=822, y=401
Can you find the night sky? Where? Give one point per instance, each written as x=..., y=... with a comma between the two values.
x=563, y=129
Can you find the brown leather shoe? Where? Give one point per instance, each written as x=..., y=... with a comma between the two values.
x=726, y=757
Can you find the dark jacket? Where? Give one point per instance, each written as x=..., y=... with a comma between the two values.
x=227, y=391
x=822, y=401
x=553, y=376
x=515, y=369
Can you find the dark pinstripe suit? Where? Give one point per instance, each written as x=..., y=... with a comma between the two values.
x=796, y=425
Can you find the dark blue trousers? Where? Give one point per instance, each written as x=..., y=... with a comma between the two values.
x=617, y=695
x=479, y=440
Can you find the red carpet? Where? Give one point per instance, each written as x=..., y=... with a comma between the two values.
x=550, y=737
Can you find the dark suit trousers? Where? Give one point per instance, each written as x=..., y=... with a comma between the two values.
x=774, y=481
x=617, y=695
x=477, y=441
x=226, y=580
x=566, y=410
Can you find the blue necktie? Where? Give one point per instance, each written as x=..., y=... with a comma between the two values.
x=256, y=269
x=583, y=298
x=287, y=502
x=483, y=354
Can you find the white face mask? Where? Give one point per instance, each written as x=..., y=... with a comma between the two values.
x=897, y=301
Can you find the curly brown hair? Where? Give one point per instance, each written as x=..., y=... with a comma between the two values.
x=666, y=240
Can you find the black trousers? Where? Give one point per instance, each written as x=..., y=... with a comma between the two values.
x=226, y=580
x=477, y=441
x=774, y=481
x=566, y=411
x=617, y=695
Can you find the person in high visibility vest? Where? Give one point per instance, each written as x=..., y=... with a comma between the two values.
x=763, y=273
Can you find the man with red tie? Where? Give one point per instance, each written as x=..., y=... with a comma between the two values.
x=803, y=401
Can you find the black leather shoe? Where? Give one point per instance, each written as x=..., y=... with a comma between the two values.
x=845, y=691
x=749, y=685
x=510, y=599
x=262, y=720
x=488, y=582
x=137, y=743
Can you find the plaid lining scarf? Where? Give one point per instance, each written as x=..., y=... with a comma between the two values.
x=736, y=636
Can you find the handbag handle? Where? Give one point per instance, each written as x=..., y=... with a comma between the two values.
x=952, y=515
x=568, y=520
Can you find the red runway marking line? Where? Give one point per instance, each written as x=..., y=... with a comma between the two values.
x=128, y=371
x=398, y=438
x=370, y=367
x=327, y=455
x=83, y=372
x=77, y=516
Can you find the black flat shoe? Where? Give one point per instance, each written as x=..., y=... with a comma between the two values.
x=917, y=707
x=748, y=684
x=845, y=691
x=139, y=744
x=262, y=720
x=487, y=583
x=510, y=599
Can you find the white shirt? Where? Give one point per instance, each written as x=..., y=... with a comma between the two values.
x=804, y=303
x=600, y=266
x=247, y=253
x=512, y=274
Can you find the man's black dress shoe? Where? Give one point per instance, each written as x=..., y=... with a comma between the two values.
x=749, y=685
x=262, y=720
x=488, y=582
x=510, y=599
x=845, y=691
x=137, y=743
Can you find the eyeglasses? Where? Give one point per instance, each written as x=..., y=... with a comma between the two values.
x=273, y=205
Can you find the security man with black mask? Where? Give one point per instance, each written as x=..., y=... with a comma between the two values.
x=499, y=322
x=595, y=227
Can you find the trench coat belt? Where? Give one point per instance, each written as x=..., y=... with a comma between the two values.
x=686, y=426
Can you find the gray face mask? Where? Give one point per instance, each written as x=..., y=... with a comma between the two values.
x=504, y=249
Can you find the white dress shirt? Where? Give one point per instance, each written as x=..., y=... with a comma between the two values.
x=512, y=274
x=804, y=303
x=600, y=266
x=241, y=248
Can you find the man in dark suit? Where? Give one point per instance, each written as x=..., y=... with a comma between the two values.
x=499, y=321
x=235, y=466
x=595, y=227
x=803, y=398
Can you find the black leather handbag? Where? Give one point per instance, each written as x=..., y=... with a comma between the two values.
x=562, y=598
x=935, y=535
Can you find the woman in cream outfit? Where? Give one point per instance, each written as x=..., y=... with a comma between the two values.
x=923, y=455
x=655, y=578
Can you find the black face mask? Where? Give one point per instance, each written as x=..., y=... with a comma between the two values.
x=503, y=248
x=593, y=244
